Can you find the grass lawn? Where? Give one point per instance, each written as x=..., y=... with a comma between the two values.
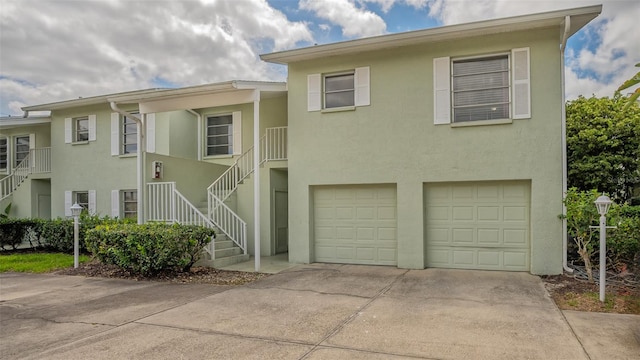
x=37, y=262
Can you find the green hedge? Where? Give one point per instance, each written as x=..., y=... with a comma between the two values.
x=13, y=231
x=150, y=248
x=55, y=235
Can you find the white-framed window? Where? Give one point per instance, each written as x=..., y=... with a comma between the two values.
x=129, y=204
x=84, y=198
x=223, y=134
x=481, y=88
x=4, y=153
x=21, y=148
x=339, y=90
x=124, y=134
x=129, y=136
x=80, y=129
x=336, y=90
x=81, y=198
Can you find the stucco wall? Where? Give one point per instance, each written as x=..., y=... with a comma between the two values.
x=395, y=141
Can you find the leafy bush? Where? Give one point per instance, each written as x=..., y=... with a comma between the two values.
x=14, y=231
x=57, y=234
x=150, y=248
x=623, y=243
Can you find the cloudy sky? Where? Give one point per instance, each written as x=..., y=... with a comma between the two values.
x=52, y=50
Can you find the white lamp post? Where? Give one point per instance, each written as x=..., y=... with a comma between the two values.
x=75, y=211
x=603, y=203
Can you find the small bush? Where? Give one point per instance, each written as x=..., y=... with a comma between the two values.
x=150, y=248
x=623, y=243
x=57, y=234
x=14, y=231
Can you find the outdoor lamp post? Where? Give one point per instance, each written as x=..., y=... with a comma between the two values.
x=603, y=203
x=75, y=211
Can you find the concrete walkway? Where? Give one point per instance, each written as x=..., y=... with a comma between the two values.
x=314, y=311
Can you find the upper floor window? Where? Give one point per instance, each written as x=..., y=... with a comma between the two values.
x=346, y=89
x=81, y=129
x=4, y=152
x=219, y=135
x=129, y=136
x=21, y=149
x=481, y=89
x=339, y=90
x=223, y=134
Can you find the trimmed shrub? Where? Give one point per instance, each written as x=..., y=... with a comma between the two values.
x=150, y=248
x=57, y=234
x=14, y=231
x=623, y=243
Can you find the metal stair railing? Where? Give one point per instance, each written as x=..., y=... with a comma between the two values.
x=167, y=204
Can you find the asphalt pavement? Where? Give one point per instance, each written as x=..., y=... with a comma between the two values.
x=317, y=311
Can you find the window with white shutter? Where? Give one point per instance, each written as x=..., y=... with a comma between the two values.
x=493, y=87
x=339, y=90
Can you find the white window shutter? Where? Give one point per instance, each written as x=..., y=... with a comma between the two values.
x=32, y=145
x=314, y=92
x=115, y=133
x=67, y=203
x=68, y=130
x=521, y=84
x=362, y=88
x=151, y=133
x=115, y=203
x=441, y=90
x=237, y=132
x=92, y=128
x=92, y=202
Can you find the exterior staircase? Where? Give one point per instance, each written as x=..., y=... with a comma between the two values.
x=37, y=162
x=230, y=244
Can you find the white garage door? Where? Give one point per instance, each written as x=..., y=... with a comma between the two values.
x=355, y=224
x=482, y=225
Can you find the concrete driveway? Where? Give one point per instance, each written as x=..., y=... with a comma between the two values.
x=317, y=311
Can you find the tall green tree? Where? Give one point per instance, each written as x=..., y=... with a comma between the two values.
x=603, y=145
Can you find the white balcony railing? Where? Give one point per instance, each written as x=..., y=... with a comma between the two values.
x=38, y=162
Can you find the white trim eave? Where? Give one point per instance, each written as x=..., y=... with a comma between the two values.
x=579, y=18
x=208, y=89
x=15, y=122
x=95, y=100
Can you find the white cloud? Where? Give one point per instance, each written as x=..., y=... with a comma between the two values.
x=355, y=21
x=599, y=71
x=60, y=49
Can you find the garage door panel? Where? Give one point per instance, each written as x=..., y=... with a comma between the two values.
x=365, y=222
x=488, y=227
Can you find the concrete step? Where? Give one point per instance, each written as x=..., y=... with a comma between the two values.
x=222, y=262
x=224, y=243
x=232, y=251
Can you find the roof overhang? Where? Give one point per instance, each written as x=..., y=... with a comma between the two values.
x=553, y=19
x=16, y=122
x=202, y=96
x=94, y=100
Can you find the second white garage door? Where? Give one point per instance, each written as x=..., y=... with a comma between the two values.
x=482, y=225
x=355, y=224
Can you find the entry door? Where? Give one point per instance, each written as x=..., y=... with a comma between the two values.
x=44, y=206
x=282, y=221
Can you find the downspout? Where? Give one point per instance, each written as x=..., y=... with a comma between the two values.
x=199, y=117
x=563, y=45
x=256, y=181
x=140, y=162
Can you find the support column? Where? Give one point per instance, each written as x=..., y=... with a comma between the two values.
x=256, y=180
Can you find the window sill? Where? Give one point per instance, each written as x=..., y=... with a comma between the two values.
x=124, y=156
x=338, y=109
x=80, y=143
x=482, y=123
x=213, y=157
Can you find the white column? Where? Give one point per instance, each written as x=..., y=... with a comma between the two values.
x=256, y=180
x=142, y=145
